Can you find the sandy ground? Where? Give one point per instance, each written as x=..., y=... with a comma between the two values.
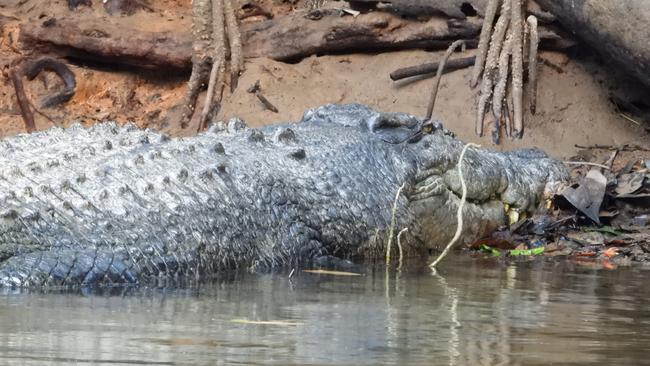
x=574, y=106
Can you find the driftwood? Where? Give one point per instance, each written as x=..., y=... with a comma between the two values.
x=617, y=29
x=103, y=41
x=286, y=38
x=293, y=36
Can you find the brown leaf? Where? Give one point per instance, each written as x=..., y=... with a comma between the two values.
x=610, y=252
x=588, y=238
x=588, y=197
x=629, y=183
x=587, y=253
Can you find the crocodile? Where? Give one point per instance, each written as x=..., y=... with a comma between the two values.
x=114, y=206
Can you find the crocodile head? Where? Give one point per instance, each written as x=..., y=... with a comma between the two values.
x=423, y=157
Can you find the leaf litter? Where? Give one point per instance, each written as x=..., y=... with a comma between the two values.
x=601, y=221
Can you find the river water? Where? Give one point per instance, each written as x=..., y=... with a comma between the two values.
x=472, y=312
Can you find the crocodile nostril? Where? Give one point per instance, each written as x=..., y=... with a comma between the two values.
x=468, y=10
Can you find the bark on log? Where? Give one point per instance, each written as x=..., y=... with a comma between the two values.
x=286, y=38
x=619, y=30
x=452, y=8
x=103, y=41
x=293, y=37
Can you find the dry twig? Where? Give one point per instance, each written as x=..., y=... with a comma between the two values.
x=551, y=64
x=266, y=102
x=441, y=67
x=257, y=90
x=431, y=67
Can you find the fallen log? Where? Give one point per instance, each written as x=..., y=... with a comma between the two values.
x=452, y=8
x=107, y=42
x=287, y=38
x=617, y=29
x=293, y=37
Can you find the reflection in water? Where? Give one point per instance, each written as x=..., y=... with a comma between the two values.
x=473, y=312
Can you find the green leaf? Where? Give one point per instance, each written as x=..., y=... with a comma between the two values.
x=526, y=252
x=489, y=249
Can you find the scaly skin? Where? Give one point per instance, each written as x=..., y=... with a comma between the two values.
x=110, y=205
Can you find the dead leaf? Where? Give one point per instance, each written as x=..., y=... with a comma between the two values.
x=588, y=238
x=610, y=252
x=588, y=253
x=588, y=197
x=629, y=239
x=629, y=183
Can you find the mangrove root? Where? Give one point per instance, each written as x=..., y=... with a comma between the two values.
x=503, y=69
x=23, y=102
x=32, y=68
x=213, y=21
